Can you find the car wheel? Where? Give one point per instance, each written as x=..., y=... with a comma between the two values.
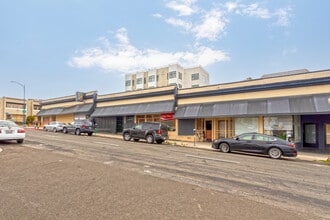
x=65, y=130
x=150, y=139
x=77, y=132
x=136, y=139
x=54, y=129
x=20, y=141
x=127, y=137
x=45, y=129
x=274, y=153
x=159, y=141
x=90, y=133
x=224, y=147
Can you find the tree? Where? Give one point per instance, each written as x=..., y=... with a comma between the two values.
x=29, y=119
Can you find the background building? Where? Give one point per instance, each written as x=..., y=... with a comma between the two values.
x=166, y=76
x=13, y=109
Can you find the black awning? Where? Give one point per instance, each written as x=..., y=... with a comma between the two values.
x=135, y=109
x=48, y=112
x=315, y=104
x=85, y=108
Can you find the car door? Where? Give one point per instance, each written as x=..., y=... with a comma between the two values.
x=242, y=143
x=136, y=131
x=71, y=126
x=259, y=143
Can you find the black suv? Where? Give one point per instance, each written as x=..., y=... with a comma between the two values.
x=149, y=131
x=78, y=127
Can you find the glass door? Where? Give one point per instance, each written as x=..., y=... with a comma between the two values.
x=310, y=135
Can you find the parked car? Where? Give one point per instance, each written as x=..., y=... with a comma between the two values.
x=54, y=126
x=149, y=131
x=78, y=127
x=257, y=143
x=9, y=130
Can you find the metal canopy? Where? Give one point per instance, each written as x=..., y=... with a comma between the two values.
x=86, y=108
x=316, y=104
x=135, y=109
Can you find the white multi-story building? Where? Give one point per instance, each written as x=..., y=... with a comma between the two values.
x=164, y=76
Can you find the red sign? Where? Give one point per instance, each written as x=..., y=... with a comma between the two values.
x=167, y=116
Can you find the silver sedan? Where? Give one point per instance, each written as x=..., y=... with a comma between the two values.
x=54, y=126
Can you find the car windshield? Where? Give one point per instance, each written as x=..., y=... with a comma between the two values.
x=8, y=124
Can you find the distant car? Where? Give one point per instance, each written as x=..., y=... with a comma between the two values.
x=79, y=127
x=257, y=143
x=54, y=126
x=9, y=130
x=149, y=131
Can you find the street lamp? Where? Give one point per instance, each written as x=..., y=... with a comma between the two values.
x=24, y=105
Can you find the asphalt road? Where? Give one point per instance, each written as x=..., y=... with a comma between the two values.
x=62, y=176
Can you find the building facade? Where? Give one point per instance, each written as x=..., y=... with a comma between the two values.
x=294, y=107
x=170, y=75
x=13, y=109
x=67, y=108
x=114, y=112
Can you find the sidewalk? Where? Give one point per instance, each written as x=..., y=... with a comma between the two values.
x=306, y=155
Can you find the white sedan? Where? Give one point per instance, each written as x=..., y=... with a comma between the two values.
x=11, y=131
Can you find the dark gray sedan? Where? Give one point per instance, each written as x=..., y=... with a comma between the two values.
x=79, y=127
x=257, y=143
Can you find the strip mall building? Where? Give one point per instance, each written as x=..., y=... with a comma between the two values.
x=292, y=106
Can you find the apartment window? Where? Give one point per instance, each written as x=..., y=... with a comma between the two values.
x=180, y=75
x=151, y=78
x=36, y=107
x=195, y=85
x=172, y=75
x=195, y=76
x=145, y=81
x=128, y=83
x=133, y=82
x=14, y=105
x=138, y=81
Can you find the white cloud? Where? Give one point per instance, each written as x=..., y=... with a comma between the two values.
x=256, y=11
x=126, y=58
x=183, y=7
x=231, y=6
x=213, y=24
x=283, y=15
x=157, y=15
x=179, y=23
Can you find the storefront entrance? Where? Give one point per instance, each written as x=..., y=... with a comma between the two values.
x=208, y=133
x=310, y=135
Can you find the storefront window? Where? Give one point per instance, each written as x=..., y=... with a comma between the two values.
x=280, y=126
x=140, y=118
x=244, y=125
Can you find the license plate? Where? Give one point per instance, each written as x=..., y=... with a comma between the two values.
x=9, y=131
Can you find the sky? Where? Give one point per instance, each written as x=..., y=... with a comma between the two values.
x=58, y=47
